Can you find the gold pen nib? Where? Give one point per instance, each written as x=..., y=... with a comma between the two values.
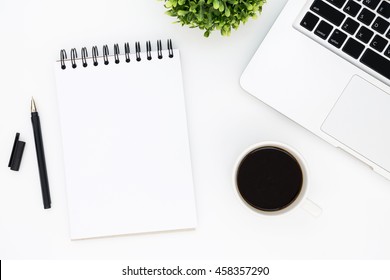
x=33, y=107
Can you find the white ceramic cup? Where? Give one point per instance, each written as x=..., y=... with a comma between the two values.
x=301, y=200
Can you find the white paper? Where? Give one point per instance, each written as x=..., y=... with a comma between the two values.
x=126, y=148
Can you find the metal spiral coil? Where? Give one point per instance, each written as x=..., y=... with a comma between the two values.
x=170, y=48
x=106, y=53
x=86, y=60
x=148, y=50
x=138, y=51
x=116, y=53
x=73, y=57
x=127, y=52
x=159, y=49
x=95, y=54
x=63, y=57
x=84, y=56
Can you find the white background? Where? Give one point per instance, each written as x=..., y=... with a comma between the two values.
x=277, y=270
x=223, y=121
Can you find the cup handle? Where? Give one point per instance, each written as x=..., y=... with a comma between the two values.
x=312, y=208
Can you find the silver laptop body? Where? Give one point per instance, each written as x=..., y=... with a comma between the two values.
x=326, y=65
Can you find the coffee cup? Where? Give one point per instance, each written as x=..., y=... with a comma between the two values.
x=271, y=178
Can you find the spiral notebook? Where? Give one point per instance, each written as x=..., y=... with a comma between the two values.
x=125, y=140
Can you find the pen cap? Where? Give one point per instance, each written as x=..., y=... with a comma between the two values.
x=17, y=154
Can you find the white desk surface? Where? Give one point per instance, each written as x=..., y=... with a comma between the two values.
x=223, y=121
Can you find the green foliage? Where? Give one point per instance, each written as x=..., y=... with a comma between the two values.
x=210, y=15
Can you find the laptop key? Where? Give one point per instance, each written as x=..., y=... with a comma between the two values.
x=372, y=4
x=353, y=48
x=387, y=52
x=378, y=43
x=328, y=12
x=384, y=9
x=350, y=26
x=338, y=38
x=309, y=21
x=337, y=3
x=388, y=34
x=380, y=25
x=366, y=16
x=352, y=8
x=376, y=62
x=323, y=30
x=364, y=34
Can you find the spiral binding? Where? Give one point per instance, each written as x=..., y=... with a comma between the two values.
x=95, y=54
x=84, y=56
x=116, y=53
x=73, y=57
x=127, y=52
x=170, y=48
x=148, y=50
x=159, y=49
x=138, y=51
x=63, y=57
x=106, y=54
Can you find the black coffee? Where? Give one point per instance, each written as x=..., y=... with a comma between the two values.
x=269, y=179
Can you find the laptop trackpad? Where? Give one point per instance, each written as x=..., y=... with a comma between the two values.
x=361, y=121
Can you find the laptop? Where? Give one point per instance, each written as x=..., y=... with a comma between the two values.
x=325, y=64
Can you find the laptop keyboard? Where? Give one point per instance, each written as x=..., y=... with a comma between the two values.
x=357, y=29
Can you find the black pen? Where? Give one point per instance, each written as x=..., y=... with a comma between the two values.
x=40, y=156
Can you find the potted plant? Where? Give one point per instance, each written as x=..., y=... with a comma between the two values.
x=209, y=15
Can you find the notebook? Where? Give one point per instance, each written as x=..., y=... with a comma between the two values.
x=125, y=140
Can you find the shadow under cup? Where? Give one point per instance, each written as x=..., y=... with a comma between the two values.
x=269, y=179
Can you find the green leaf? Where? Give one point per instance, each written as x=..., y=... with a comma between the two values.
x=182, y=13
x=216, y=4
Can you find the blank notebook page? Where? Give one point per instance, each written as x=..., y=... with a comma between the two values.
x=126, y=148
